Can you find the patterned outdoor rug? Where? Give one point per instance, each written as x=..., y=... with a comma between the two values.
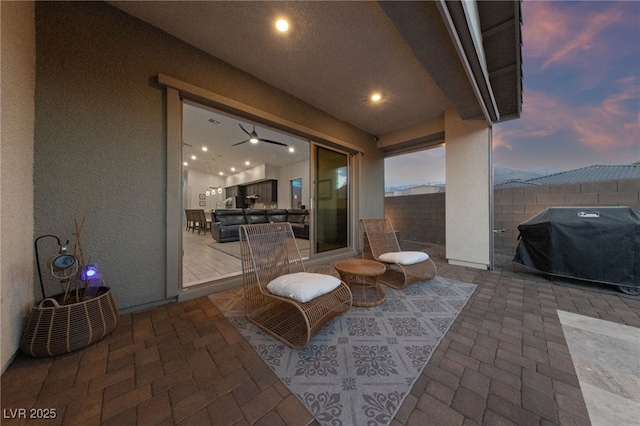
x=359, y=368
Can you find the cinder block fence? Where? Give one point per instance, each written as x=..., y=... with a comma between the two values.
x=418, y=218
x=421, y=218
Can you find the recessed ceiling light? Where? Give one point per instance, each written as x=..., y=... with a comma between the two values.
x=246, y=163
x=204, y=148
x=233, y=169
x=291, y=149
x=185, y=164
x=282, y=25
x=193, y=157
x=221, y=174
x=376, y=97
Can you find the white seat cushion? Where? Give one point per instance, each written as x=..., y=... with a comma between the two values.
x=404, y=257
x=303, y=286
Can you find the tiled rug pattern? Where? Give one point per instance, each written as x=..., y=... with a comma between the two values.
x=360, y=367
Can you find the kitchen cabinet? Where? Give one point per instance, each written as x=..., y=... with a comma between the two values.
x=266, y=191
x=235, y=191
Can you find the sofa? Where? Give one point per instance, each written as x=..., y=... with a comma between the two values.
x=226, y=222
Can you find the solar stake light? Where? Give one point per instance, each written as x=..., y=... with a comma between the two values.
x=92, y=278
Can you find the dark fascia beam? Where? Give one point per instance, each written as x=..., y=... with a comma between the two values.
x=454, y=13
x=501, y=25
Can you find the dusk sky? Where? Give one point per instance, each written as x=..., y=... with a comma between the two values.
x=581, y=97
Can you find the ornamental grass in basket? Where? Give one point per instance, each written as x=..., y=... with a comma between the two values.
x=82, y=314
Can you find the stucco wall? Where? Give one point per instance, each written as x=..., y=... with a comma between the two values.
x=100, y=135
x=16, y=171
x=467, y=161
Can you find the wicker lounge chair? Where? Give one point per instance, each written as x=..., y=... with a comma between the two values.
x=380, y=242
x=269, y=251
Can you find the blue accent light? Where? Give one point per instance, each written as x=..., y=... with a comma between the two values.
x=90, y=272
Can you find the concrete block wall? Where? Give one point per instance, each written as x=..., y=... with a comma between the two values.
x=513, y=206
x=419, y=218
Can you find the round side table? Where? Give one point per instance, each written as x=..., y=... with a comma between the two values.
x=363, y=278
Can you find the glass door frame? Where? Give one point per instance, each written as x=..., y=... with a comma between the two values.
x=176, y=91
x=313, y=210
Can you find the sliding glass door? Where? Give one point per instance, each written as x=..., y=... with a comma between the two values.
x=331, y=210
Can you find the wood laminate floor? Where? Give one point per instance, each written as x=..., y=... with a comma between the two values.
x=202, y=263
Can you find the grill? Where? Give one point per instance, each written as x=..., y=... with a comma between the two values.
x=600, y=244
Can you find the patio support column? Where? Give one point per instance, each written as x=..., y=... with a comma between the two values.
x=468, y=196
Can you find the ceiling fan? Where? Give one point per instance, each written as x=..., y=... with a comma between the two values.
x=253, y=138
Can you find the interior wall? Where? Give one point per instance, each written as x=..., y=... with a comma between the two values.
x=467, y=202
x=17, y=265
x=101, y=135
x=286, y=175
x=197, y=184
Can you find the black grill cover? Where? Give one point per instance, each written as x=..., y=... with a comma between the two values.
x=591, y=243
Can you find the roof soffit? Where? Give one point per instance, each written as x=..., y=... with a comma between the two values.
x=336, y=55
x=421, y=24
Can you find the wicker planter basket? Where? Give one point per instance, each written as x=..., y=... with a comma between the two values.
x=59, y=329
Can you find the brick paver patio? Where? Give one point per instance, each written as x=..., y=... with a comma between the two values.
x=504, y=361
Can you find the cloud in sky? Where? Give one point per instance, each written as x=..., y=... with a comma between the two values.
x=581, y=97
x=561, y=34
x=608, y=125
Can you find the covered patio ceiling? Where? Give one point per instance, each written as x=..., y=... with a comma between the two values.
x=420, y=56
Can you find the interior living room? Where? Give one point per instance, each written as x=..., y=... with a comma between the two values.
x=223, y=171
